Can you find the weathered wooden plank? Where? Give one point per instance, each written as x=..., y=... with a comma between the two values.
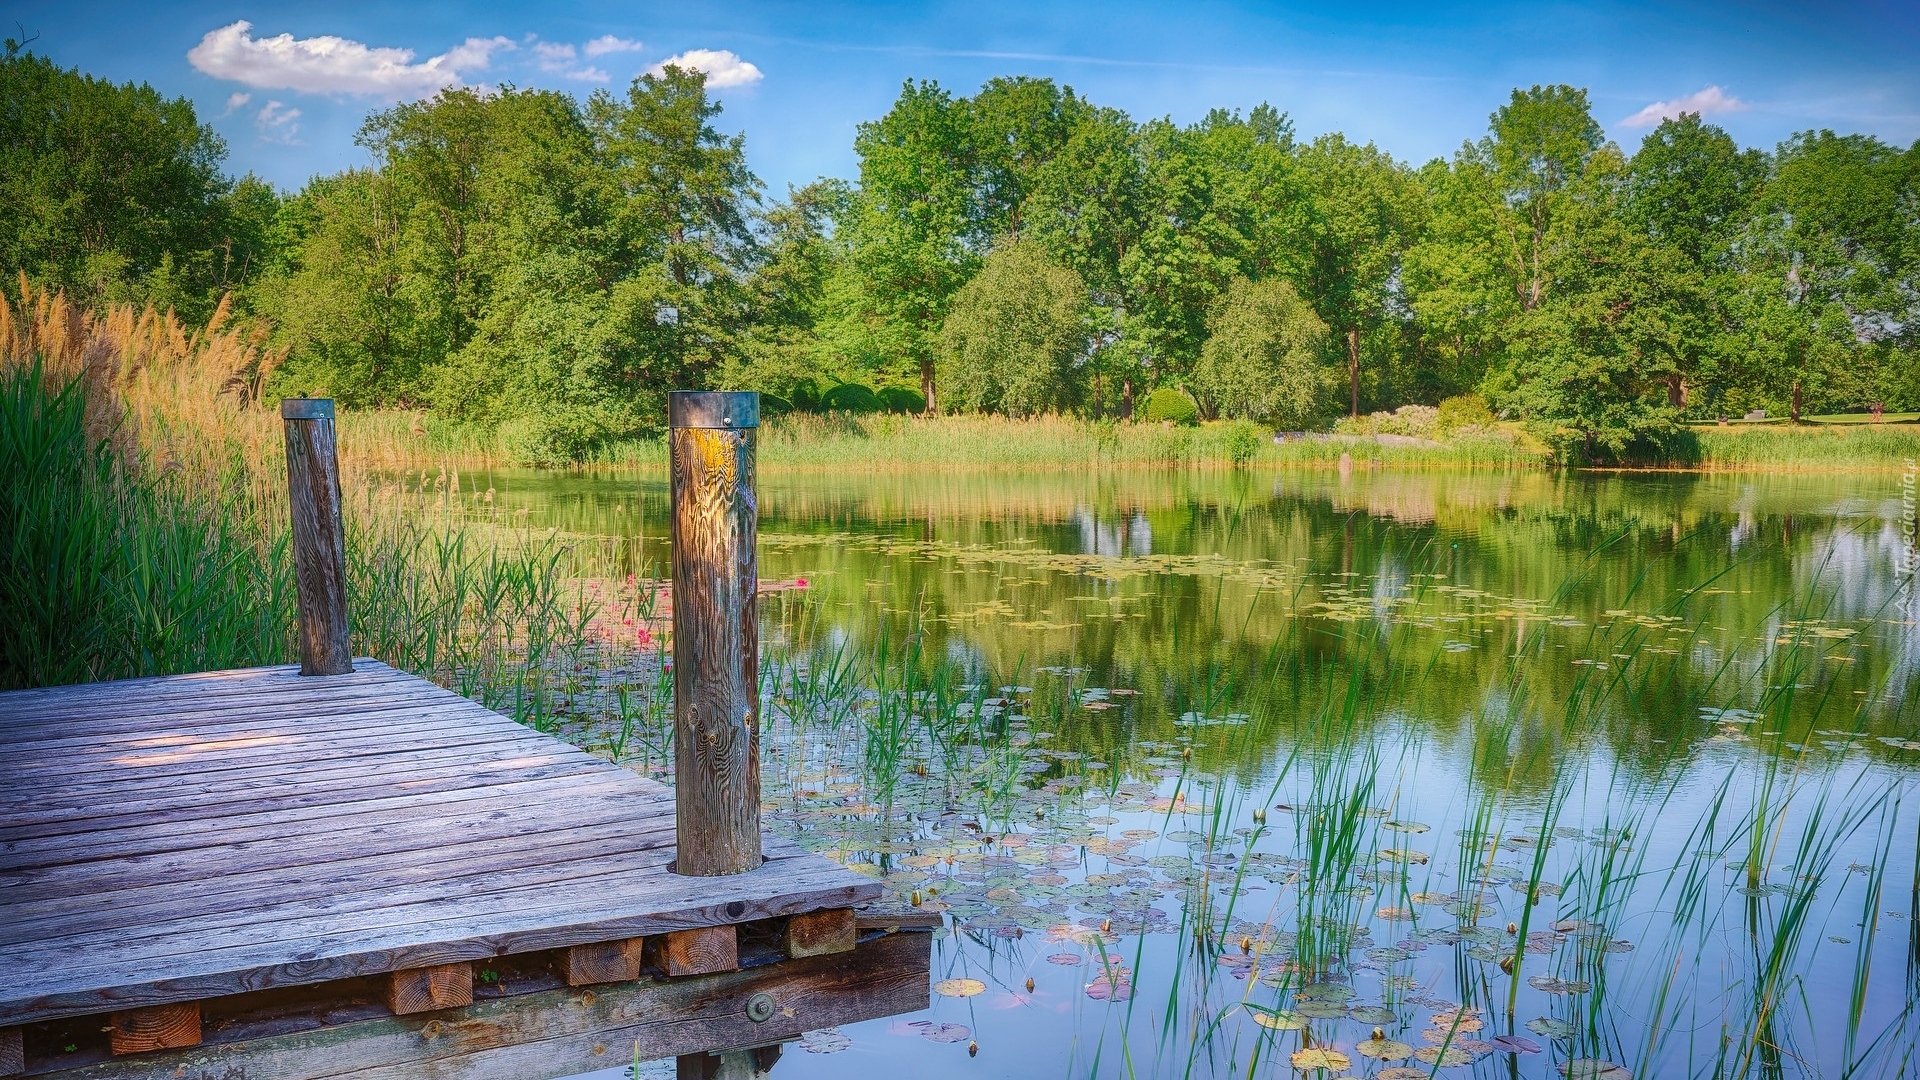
x=602, y=961
x=134, y=713
x=341, y=838
x=431, y=912
x=82, y=700
x=358, y=770
x=319, y=540
x=427, y=989
x=821, y=933
x=157, y=1027
x=563, y=1032
x=422, y=727
x=298, y=790
x=895, y=916
x=590, y=801
x=699, y=951
x=51, y=987
x=13, y=1052
x=373, y=880
x=716, y=643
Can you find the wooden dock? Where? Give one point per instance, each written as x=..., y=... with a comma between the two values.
x=253, y=874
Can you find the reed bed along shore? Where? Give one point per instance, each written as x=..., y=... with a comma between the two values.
x=385, y=439
x=145, y=525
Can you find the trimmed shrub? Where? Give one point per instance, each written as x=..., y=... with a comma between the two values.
x=1169, y=403
x=805, y=396
x=1465, y=411
x=851, y=397
x=900, y=399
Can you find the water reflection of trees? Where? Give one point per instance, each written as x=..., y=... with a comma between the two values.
x=1290, y=579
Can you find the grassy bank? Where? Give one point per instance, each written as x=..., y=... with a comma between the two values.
x=387, y=440
x=1824, y=447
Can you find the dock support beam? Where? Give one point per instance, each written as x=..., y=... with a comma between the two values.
x=319, y=540
x=716, y=633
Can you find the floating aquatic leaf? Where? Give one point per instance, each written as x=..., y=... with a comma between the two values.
x=1373, y=1014
x=1550, y=1027
x=1106, y=989
x=1458, y=1020
x=824, y=1041
x=1387, y=955
x=1444, y=1057
x=1403, y=855
x=1278, y=1019
x=1384, y=1049
x=946, y=1033
x=1401, y=1072
x=1321, y=1010
x=1316, y=1058
x=1405, y=826
x=1064, y=959
x=959, y=988
x=1515, y=1044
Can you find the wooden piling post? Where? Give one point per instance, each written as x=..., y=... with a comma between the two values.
x=716, y=633
x=319, y=541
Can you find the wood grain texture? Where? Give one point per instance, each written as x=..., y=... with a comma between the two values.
x=13, y=1052
x=160, y=1027
x=602, y=961
x=319, y=546
x=251, y=833
x=418, y=990
x=569, y=1031
x=716, y=651
x=821, y=933
x=699, y=951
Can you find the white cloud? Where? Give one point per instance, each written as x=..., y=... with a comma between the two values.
x=334, y=65
x=561, y=59
x=607, y=43
x=277, y=123
x=722, y=67
x=1712, y=101
x=235, y=101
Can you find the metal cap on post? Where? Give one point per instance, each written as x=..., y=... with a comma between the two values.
x=319, y=540
x=716, y=633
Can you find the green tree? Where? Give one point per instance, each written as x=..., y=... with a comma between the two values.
x=1365, y=215
x=1486, y=260
x=1625, y=317
x=1262, y=360
x=114, y=192
x=1016, y=337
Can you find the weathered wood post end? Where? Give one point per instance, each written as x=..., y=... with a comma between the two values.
x=716, y=676
x=319, y=539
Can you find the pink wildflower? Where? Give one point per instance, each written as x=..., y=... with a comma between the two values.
x=799, y=583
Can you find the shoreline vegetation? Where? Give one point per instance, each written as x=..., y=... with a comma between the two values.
x=391, y=439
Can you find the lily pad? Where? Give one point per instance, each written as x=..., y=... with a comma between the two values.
x=824, y=1041
x=1515, y=1044
x=1551, y=1028
x=959, y=988
x=1443, y=1057
x=1316, y=1058
x=1279, y=1019
x=1384, y=1049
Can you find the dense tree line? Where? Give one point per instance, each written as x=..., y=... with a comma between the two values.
x=530, y=258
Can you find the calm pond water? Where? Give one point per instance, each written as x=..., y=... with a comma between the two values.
x=1388, y=774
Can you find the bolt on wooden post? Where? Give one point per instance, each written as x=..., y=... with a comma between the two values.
x=319, y=540
x=716, y=633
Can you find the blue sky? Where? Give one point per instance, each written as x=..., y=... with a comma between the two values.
x=1416, y=79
